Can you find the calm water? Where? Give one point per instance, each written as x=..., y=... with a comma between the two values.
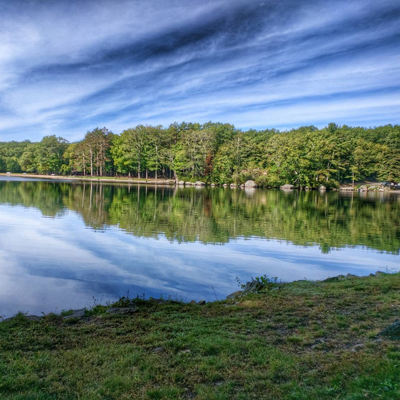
x=64, y=244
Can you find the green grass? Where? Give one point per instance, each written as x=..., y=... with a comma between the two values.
x=307, y=340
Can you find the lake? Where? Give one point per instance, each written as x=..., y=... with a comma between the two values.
x=71, y=245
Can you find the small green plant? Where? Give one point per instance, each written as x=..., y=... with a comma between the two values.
x=96, y=310
x=262, y=282
x=72, y=321
x=266, y=280
x=65, y=313
x=51, y=317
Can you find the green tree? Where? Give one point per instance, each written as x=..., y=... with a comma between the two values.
x=49, y=154
x=389, y=167
x=195, y=153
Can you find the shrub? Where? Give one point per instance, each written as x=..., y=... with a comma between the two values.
x=262, y=181
x=270, y=180
x=236, y=178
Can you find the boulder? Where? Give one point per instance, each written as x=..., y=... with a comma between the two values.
x=225, y=185
x=234, y=295
x=253, y=287
x=26, y=317
x=213, y=185
x=76, y=314
x=188, y=184
x=335, y=278
x=250, y=184
x=181, y=183
x=233, y=185
x=322, y=188
x=201, y=302
x=33, y=318
x=199, y=183
x=331, y=279
x=121, y=310
x=287, y=187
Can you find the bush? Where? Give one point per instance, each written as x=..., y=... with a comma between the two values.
x=332, y=184
x=262, y=181
x=246, y=176
x=236, y=178
x=270, y=180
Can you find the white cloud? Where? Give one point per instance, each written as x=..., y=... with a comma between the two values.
x=68, y=67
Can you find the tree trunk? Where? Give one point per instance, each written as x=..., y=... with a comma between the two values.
x=91, y=162
x=155, y=175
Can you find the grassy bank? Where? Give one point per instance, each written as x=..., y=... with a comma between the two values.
x=302, y=340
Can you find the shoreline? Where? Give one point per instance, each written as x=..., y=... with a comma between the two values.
x=256, y=285
x=302, y=339
x=171, y=182
x=92, y=179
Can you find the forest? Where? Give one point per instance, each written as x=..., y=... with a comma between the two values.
x=218, y=153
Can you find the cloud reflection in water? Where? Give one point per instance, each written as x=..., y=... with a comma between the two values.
x=50, y=264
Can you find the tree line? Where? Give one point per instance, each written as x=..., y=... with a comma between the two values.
x=218, y=153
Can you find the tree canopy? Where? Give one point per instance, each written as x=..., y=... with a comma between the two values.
x=218, y=153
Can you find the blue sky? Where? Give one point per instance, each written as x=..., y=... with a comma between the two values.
x=69, y=66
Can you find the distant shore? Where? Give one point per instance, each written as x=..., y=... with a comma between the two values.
x=170, y=182
x=94, y=179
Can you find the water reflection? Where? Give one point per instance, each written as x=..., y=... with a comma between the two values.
x=99, y=240
x=330, y=220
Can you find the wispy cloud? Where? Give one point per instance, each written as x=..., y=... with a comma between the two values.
x=66, y=67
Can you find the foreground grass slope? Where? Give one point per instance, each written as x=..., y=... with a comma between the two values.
x=305, y=340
